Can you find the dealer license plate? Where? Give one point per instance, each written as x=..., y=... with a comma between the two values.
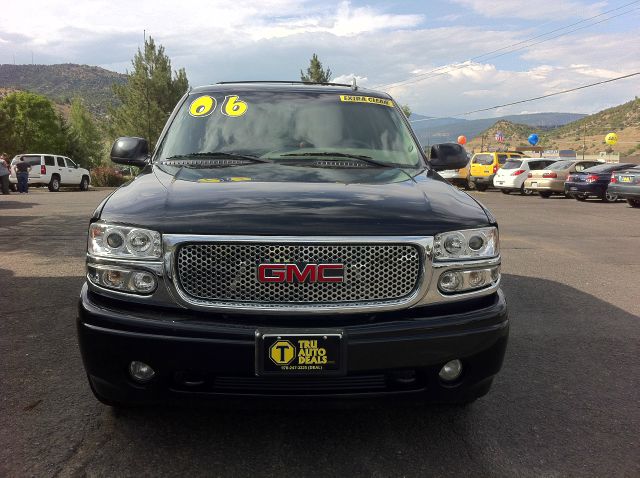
x=300, y=353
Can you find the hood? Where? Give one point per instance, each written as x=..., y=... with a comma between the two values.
x=277, y=199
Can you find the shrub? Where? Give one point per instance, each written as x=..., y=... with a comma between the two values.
x=106, y=176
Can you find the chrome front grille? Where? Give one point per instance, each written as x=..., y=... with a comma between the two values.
x=217, y=272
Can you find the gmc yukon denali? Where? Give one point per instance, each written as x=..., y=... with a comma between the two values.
x=290, y=240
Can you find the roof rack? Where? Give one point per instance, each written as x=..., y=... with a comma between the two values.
x=284, y=82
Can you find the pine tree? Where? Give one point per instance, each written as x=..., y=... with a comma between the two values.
x=148, y=96
x=84, y=139
x=315, y=72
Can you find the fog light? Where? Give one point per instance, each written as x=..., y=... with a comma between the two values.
x=113, y=278
x=476, y=279
x=140, y=371
x=451, y=371
x=450, y=281
x=144, y=282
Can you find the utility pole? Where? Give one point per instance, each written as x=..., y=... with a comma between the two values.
x=584, y=138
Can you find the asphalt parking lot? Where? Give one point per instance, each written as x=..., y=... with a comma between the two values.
x=566, y=403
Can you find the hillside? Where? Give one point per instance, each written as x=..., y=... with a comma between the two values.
x=448, y=129
x=61, y=83
x=622, y=119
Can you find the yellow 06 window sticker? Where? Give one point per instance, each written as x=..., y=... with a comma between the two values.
x=366, y=99
x=202, y=106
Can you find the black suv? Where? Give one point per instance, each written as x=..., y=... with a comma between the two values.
x=290, y=240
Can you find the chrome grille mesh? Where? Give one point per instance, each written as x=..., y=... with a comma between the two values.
x=223, y=272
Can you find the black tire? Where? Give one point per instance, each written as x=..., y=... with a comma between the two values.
x=505, y=191
x=544, y=194
x=481, y=187
x=633, y=202
x=526, y=192
x=609, y=197
x=54, y=184
x=84, y=184
x=580, y=197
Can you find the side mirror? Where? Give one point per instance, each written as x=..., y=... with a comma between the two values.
x=447, y=156
x=130, y=151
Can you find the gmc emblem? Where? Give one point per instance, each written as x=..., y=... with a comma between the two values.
x=293, y=273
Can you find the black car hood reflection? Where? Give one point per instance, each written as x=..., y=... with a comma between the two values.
x=277, y=199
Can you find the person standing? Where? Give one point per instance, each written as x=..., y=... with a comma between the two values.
x=4, y=173
x=22, y=173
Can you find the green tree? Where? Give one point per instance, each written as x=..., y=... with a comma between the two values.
x=84, y=139
x=148, y=96
x=315, y=72
x=30, y=124
x=406, y=110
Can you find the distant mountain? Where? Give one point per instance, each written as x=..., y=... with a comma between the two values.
x=62, y=82
x=589, y=131
x=448, y=129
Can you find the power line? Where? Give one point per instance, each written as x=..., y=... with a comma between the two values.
x=429, y=74
x=535, y=98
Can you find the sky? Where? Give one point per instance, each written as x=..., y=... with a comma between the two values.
x=390, y=45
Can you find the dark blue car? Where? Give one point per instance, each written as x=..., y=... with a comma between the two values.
x=593, y=181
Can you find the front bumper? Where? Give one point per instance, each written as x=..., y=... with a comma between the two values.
x=198, y=354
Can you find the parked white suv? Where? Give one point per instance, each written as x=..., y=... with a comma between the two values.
x=512, y=175
x=53, y=171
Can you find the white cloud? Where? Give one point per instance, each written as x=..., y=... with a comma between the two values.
x=273, y=39
x=541, y=9
x=348, y=78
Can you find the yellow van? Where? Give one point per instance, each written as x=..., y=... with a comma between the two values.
x=485, y=165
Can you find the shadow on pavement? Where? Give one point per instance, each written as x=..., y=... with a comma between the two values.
x=564, y=403
x=8, y=204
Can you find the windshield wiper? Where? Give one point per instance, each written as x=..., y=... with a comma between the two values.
x=359, y=157
x=218, y=155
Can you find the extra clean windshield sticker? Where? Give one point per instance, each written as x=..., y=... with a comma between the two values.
x=366, y=99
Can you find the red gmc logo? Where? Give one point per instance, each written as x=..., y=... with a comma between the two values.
x=293, y=273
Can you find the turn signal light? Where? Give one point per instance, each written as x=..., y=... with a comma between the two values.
x=613, y=178
x=549, y=175
x=518, y=172
x=529, y=175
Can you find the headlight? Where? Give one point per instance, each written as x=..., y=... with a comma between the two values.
x=456, y=281
x=467, y=244
x=122, y=279
x=108, y=240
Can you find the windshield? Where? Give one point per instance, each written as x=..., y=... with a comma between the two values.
x=291, y=127
x=512, y=164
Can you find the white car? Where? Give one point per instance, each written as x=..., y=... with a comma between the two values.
x=52, y=171
x=512, y=175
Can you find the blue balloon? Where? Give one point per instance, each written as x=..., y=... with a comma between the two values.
x=533, y=139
